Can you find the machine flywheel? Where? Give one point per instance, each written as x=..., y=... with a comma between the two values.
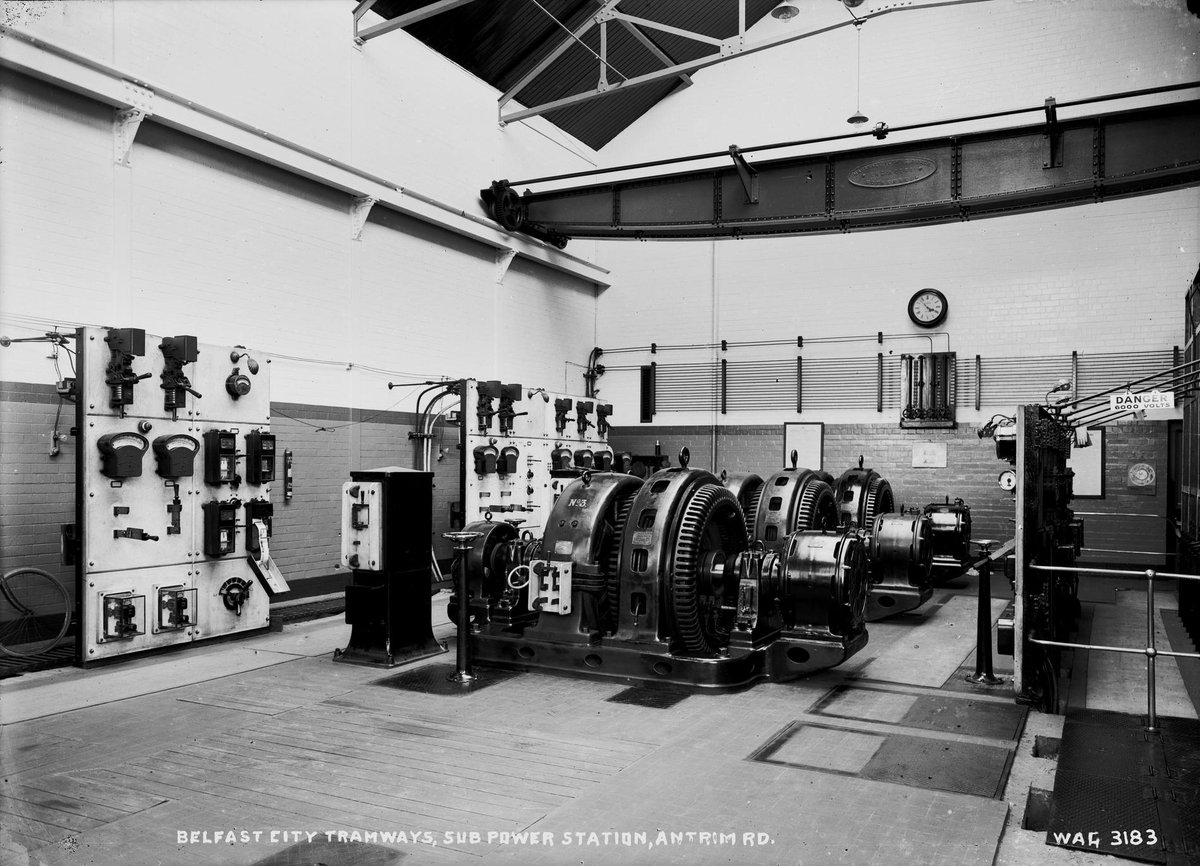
x=612, y=562
x=712, y=531
x=818, y=507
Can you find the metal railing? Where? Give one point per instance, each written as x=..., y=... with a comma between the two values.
x=1151, y=651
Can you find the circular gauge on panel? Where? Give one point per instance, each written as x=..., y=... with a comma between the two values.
x=928, y=308
x=116, y=441
x=1007, y=480
x=176, y=454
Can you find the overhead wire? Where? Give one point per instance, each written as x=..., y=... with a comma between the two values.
x=570, y=33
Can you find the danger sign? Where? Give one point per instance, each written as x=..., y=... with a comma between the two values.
x=1147, y=400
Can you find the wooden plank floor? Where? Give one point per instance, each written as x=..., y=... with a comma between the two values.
x=304, y=745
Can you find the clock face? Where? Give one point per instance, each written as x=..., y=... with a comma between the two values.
x=927, y=308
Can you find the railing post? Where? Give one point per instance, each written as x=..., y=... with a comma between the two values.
x=1151, y=652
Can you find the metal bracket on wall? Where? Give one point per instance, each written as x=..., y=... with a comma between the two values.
x=504, y=259
x=127, y=120
x=1053, y=136
x=359, y=211
x=748, y=175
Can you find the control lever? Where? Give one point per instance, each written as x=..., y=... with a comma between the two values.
x=134, y=533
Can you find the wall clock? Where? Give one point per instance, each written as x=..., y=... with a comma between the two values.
x=928, y=308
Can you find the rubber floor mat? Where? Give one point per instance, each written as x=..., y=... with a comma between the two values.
x=435, y=680
x=1122, y=790
x=1103, y=814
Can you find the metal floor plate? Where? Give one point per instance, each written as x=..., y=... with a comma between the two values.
x=435, y=680
x=322, y=852
x=919, y=762
x=952, y=712
x=659, y=699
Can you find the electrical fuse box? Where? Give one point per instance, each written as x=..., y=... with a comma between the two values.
x=123, y=616
x=260, y=457
x=220, y=527
x=220, y=457
x=176, y=608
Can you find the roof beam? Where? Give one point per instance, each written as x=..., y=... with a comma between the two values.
x=555, y=53
x=667, y=28
x=649, y=45
x=401, y=21
x=729, y=49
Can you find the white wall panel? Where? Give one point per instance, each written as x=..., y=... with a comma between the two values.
x=1096, y=278
x=56, y=211
x=426, y=296
x=917, y=66
x=232, y=247
x=544, y=329
x=290, y=67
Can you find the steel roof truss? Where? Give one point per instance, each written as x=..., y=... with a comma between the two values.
x=649, y=45
x=400, y=21
x=727, y=50
x=555, y=53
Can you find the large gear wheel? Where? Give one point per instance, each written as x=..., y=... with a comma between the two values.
x=711, y=531
x=612, y=563
x=879, y=500
x=750, y=510
x=817, y=509
x=748, y=488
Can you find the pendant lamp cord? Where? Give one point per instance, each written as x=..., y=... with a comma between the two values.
x=858, y=66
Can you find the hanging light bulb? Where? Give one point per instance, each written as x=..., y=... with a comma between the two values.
x=858, y=117
x=785, y=11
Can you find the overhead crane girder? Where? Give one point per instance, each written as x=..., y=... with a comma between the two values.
x=951, y=178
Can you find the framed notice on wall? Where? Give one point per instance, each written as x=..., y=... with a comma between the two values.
x=1088, y=463
x=807, y=440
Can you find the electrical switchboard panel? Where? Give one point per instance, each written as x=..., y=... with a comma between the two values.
x=171, y=521
x=523, y=446
x=362, y=525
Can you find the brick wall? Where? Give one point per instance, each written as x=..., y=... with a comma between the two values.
x=327, y=445
x=970, y=474
x=1129, y=518
x=37, y=491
